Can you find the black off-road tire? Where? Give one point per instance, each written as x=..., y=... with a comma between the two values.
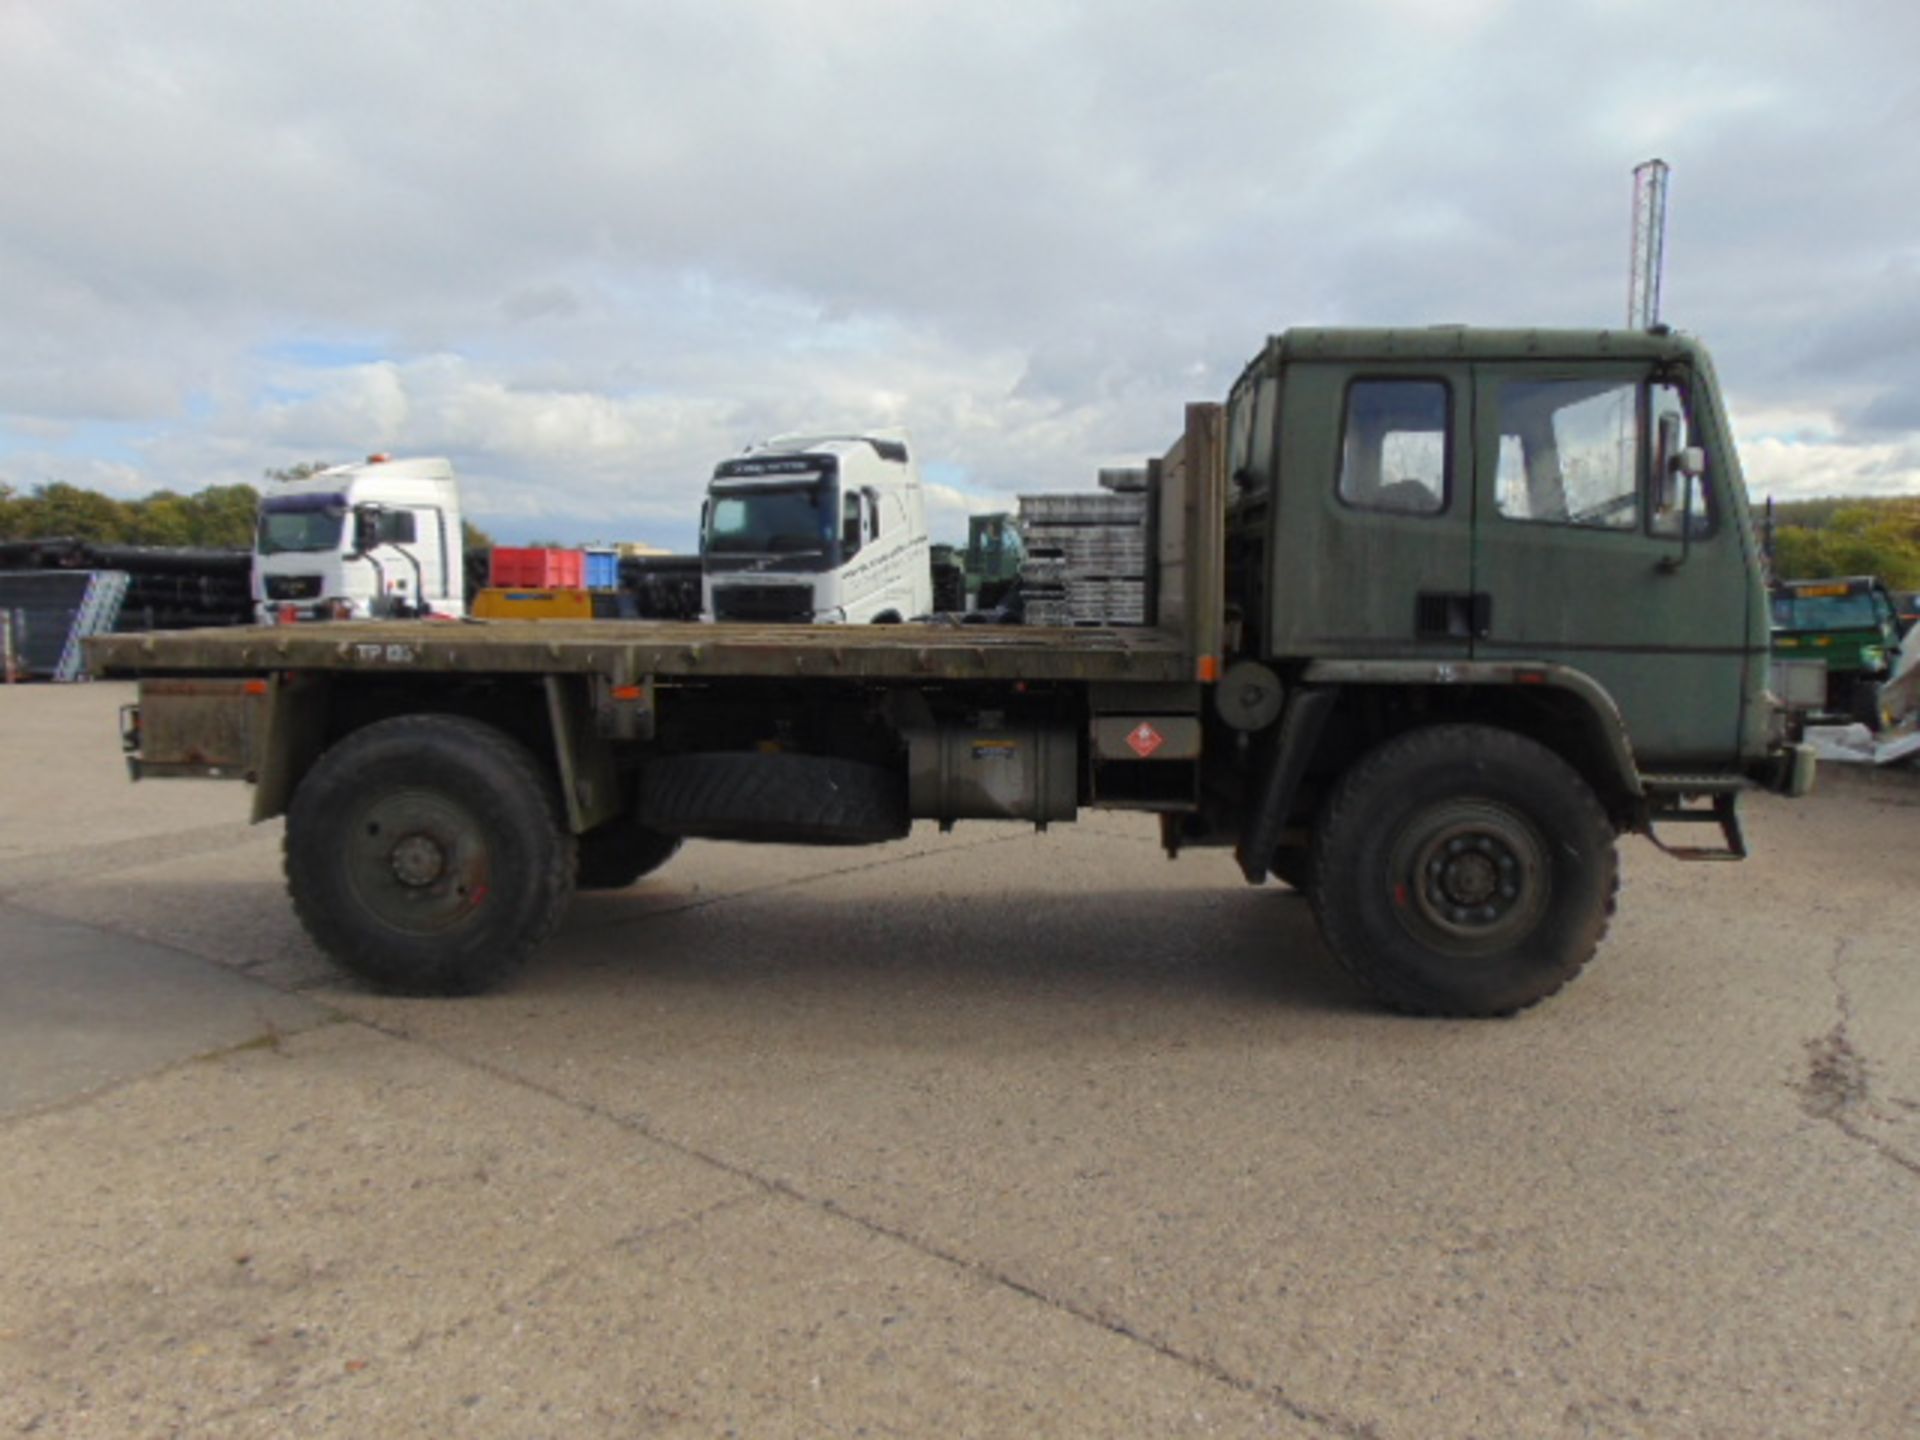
x=614, y=855
x=1463, y=870
x=1292, y=865
x=427, y=855
x=774, y=798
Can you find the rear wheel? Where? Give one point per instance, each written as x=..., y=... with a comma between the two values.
x=427, y=855
x=614, y=855
x=1463, y=870
x=1292, y=865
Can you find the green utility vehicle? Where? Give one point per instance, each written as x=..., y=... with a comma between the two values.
x=980, y=575
x=1437, y=615
x=993, y=556
x=1850, y=624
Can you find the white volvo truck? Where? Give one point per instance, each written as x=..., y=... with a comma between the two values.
x=817, y=529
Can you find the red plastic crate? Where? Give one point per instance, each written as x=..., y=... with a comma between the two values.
x=538, y=569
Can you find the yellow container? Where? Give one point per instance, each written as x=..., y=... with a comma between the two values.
x=502, y=604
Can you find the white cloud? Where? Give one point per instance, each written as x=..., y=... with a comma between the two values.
x=1800, y=470
x=587, y=251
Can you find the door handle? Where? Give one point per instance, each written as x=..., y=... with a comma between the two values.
x=1453, y=615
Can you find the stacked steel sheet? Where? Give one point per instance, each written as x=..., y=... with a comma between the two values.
x=1086, y=557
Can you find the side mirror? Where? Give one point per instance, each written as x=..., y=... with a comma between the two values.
x=850, y=526
x=366, y=528
x=1666, y=450
x=1680, y=471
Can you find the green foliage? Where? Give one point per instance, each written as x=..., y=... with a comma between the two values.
x=1849, y=537
x=472, y=537
x=221, y=517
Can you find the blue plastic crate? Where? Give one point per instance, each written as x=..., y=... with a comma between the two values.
x=603, y=570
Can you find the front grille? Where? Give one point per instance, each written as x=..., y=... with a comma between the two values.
x=293, y=587
x=763, y=602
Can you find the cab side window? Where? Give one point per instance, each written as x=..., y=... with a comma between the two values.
x=851, y=526
x=1250, y=432
x=1570, y=453
x=1393, y=453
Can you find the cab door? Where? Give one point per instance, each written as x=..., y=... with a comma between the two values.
x=1589, y=559
x=1373, y=531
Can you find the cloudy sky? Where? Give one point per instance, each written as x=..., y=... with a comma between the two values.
x=588, y=249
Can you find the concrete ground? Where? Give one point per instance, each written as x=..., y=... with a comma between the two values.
x=986, y=1134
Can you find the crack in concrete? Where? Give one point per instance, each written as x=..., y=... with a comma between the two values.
x=1837, y=1088
x=1328, y=1421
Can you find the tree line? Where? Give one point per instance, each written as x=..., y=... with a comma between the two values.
x=1813, y=538
x=220, y=517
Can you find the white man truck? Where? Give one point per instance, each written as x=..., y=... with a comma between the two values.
x=380, y=540
x=817, y=529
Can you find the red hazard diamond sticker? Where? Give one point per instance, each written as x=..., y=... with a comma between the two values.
x=1143, y=740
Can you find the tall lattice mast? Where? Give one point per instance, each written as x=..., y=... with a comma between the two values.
x=1649, y=244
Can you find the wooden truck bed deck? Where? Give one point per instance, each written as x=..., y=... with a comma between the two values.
x=636, y=648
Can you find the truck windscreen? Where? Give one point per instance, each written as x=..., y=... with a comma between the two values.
x=769, y=520
x=304, y=523
x=1824, y=612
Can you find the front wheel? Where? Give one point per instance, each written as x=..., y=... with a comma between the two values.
x=427, y=855
x=1463, y=870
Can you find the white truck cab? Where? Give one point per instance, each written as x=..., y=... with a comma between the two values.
x=357, y=542
x=817, y=529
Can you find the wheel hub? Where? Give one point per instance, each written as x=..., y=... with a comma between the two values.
x=1475, y=876
x=418, y=860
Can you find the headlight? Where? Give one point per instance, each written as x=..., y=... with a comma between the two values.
x=1873, y=657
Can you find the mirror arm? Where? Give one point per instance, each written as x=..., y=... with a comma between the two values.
x=1671, y=563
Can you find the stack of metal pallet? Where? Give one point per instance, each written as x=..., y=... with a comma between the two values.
x=1087, y=554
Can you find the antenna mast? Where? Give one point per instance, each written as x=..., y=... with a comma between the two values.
x=1649, y=244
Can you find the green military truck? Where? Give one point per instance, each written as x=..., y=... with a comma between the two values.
x=1438, y=614
x=1852, y=626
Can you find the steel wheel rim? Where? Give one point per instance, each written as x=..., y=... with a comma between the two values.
x=417, y=861
x=1469, y=877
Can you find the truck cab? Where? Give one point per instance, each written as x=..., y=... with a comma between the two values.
x=1474, y=500
x=381, y=540
x=817, y=529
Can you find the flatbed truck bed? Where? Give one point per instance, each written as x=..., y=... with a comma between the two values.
x=662, y=648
